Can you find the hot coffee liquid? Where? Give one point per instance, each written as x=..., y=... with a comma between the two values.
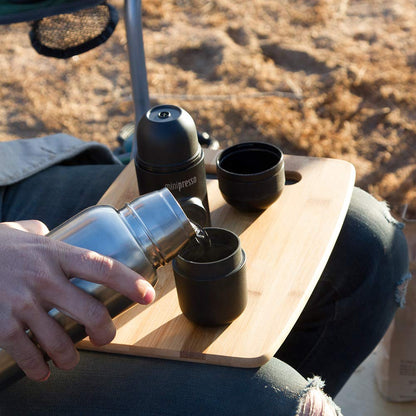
x=205, y=248
x=201, y=236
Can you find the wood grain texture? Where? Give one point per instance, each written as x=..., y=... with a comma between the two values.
x=287, y=247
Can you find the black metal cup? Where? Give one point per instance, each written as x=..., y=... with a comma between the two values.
x=251, y=175
x=211, y=278
x=169, y=155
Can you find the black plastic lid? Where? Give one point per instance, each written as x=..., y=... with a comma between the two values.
x=167, y=138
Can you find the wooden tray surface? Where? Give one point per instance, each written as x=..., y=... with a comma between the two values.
x=287, y=247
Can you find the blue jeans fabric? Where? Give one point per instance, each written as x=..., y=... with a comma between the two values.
x=110, y=384
x=355, y=298
x=346, y=316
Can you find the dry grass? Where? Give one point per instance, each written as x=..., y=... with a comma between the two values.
x=319, y=77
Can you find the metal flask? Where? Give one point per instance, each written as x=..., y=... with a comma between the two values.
x=146, y=234
x=169, y=155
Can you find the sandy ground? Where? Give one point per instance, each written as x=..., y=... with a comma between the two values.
x=328, y=78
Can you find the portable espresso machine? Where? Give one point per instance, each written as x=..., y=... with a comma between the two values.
x=169, y=155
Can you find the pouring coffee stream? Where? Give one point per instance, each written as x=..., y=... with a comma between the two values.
x=201, y=236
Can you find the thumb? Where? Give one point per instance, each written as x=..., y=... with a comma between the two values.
x=30, y=226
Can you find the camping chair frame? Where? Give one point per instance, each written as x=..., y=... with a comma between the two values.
x=138, y=73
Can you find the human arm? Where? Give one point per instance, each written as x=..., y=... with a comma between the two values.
x=34, y=278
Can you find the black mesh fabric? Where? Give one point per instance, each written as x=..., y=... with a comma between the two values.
x=69, y=34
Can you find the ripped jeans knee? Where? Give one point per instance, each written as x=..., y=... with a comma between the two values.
x=314, y=402
x=409, y=228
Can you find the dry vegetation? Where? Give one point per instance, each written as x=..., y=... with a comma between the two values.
x=328, y=78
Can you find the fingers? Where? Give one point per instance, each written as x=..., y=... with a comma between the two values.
x=87, y=311
x=27, y=356
x=30, y=226
x=103, y=270
x=51, y=338
x=38, y=280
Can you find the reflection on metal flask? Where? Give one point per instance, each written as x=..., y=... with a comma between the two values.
x=169, y=155
x=146, y=234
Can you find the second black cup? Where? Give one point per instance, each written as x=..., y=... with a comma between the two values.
x=251, y=175
x=210, y=278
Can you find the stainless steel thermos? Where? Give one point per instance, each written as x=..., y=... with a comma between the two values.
x=147, y=233
x=169, y=155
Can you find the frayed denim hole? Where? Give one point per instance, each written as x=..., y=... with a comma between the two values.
x=387, y=215
x=315, y=402
x=401, y=287
x=401, y=290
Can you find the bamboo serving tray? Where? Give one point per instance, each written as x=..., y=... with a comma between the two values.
x=287, y=247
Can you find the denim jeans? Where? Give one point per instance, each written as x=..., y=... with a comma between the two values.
x=346, y=316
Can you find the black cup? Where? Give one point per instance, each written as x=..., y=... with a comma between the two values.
x=211, y=278
x=251, y=175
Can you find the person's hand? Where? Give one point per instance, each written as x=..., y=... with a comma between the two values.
x=34, y=273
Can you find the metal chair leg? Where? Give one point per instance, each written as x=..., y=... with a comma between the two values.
x=138, y=73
